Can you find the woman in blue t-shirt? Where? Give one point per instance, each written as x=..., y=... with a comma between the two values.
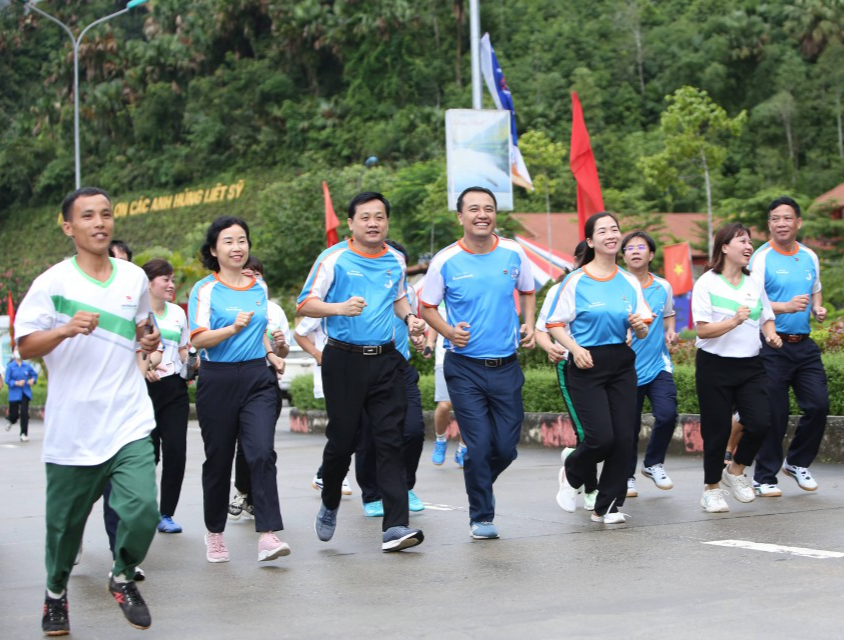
x=590, y=316
x=237, y=390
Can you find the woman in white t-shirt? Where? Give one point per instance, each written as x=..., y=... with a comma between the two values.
x=730, y=308
x=167, y=389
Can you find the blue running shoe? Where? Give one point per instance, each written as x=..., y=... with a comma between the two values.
x=373, y=509
x=325, y=523
x=398, y=538
x=484, y=531
x=166, y=525
x=438, y=457
x=458, y=455
x=414, y=503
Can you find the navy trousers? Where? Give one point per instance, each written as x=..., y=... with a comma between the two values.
x=488, y=406
x=662, y=393
x=797, y=365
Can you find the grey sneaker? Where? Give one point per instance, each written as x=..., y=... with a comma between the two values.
x=326, y=523
x=398, y=538
x=484, y=531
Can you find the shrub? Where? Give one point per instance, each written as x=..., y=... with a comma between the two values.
x=302, y=394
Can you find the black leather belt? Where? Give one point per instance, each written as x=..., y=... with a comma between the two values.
x=489, y=362
x=793, y=337
x=367, y=350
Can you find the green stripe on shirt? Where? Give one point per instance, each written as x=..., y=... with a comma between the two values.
x=727, y=303
x=108, y=321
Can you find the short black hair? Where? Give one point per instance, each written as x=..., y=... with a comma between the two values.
x=254, y=264
x=367, y=196
x=478, y=190
x=778, y=202
x=73, y=196
x=120, y=246
x=218, y=226
x=639, y=234
x=157, y=267
x=398, y=247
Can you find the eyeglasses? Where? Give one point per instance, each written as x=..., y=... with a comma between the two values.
x=635, y=247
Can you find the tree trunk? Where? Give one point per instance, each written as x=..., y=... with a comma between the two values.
x=838, y=121
x=791, y=154
x=459, y=15
x=708, y=201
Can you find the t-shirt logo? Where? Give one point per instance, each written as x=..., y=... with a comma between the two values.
x=514, y=273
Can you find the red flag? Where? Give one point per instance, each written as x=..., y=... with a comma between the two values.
x=331, y=221
x=582, y=163
x=678, y=267
x=10, y=309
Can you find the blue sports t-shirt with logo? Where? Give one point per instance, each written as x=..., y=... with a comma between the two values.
x=596, y=309
x=341, y=272
x=652, y=355
x=478, y=289
x=787, y=275
x=215, y=305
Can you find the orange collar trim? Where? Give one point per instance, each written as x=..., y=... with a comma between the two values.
x=353, y=249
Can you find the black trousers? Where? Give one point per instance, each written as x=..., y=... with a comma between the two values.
x=238, y=400
x=414, y=439
x=169, y=438
x=20, y=408
x=603, y=399
x=797, y=365
x=242, y=477
x=723, y=386
x=354, y=383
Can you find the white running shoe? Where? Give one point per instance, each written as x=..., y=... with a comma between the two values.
x=801, y=474
x=767, y=490
x=739, y=485
x=631, y=488
x=611, y=518
x=657, y=474
x=567, y=495
x=347, y=488
x=712, y=501
x=589, y=500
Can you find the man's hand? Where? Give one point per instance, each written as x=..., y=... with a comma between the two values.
x=819, y=312
x=582, y=358
x=352, y=307
x=671, y=337
x=277, y=363
x=31, y=381
x=416, y=326
x=742, y=314
x=528, y=340
x=459, y=334
x=798, y=303
x=148, y=341
x=279, y=340
x=242, y=321
x=636, y=323
x=774, y=340
x=82, y=322
x=20, y=383
x=418, y=343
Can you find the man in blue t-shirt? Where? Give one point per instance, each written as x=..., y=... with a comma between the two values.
x=358, y=286
x=791, y=273
x=477, y=276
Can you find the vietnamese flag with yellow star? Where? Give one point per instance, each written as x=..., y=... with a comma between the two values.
x=678, y=267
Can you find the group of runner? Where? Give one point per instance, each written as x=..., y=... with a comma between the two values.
x=96, y=320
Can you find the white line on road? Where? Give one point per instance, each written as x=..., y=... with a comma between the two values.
x=439, y=507
x=776, y=548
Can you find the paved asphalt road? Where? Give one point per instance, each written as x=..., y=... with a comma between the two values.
x=551, y=575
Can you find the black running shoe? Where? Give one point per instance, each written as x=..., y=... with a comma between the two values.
x=131, y=603
x=248, y=508
x=55, y=621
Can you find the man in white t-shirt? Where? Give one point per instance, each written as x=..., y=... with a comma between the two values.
x=86, y=316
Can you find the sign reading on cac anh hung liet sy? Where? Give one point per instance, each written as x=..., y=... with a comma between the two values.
x=478, y=153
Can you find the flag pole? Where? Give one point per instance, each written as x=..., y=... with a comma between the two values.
x=475, y=43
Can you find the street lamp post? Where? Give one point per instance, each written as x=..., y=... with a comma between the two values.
x=76, y=42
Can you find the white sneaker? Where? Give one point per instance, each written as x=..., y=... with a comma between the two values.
x=589, y=500
x=801, y=474
x=316, y=483
x=713, y=501
x=658, y=475
x=347, y=488
x=767, y=490
x=567, y=495
x=25, y=438
x=740, y=487
x=8, y=426
x=611, y=518
x=631, y=488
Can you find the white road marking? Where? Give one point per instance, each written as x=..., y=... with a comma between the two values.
x=776, y=548
x=439, y=507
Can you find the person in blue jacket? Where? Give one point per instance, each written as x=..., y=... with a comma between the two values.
x=20, y=376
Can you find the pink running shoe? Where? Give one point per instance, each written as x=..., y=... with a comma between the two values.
x=271, y=548
x=215, y=548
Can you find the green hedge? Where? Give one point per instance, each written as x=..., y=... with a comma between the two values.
x=542, y=394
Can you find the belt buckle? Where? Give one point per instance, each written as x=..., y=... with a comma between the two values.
x=371, y=351
x=794, y=337
x=492, y=362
